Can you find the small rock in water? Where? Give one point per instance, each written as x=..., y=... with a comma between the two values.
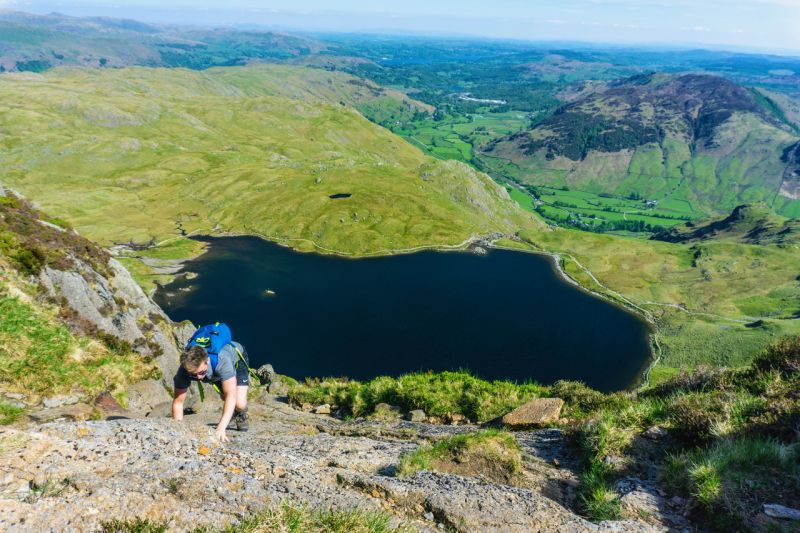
x=775, y=510
x=417, y=415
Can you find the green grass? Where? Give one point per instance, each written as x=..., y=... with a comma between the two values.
x=489, y=452
x=732, y=431
x=128, y=154
x=293, y=518
x=9, y=413
x=40, y=356
x=717, y=283
x=437, y=394
x=734, y=477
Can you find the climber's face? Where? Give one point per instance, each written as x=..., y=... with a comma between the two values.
x=199, y=372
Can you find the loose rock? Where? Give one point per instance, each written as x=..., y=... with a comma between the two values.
x=324, y=409
x=655, y=433
x=775, y=510
x=534, y=413
x=417, y=415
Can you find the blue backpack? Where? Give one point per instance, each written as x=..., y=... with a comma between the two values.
x=212, y=337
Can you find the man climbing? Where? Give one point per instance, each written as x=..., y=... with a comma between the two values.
x=212, y=357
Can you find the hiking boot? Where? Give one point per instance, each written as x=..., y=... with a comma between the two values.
x=240, y=419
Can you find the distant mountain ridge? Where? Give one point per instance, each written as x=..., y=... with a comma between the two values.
x=693, y=137
x=38, y=42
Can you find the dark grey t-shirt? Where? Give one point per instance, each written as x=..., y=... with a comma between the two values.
x=226, y=368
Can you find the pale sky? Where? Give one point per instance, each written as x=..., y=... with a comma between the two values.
x=772, y=25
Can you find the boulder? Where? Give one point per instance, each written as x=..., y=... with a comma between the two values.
x=536, y=412
x=109, y=407
x=324, y=409
x=266, y=374
x=144, y=395
x=386, y=413
x=655, y=433
x=775, y=510
x=643, y=500
x=278, y=388
x=456, y=419
x=118, y=306
x=77, y=412
x=160, y=410
x=417, y=415
x=61, y=399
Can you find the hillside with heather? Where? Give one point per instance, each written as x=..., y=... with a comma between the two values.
x=692, y=138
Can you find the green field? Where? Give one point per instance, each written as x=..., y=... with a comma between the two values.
x=590, y=211
x=455, y=136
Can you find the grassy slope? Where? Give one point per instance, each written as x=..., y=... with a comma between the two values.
x=127, y=154
x=732, y=442
x=701, y=296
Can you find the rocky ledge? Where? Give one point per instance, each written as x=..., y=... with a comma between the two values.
x=78, y=475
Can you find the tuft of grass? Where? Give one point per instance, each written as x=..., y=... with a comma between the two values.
x=135, y=525
x=49, y=488
x=291, y=518
x=732, y=478
x=600, y=501
x=9, y=413
x=492, y=454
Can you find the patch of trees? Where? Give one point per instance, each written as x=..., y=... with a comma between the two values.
x=577, y=133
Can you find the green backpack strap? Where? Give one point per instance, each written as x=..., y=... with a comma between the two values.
x=249, y=370
x=201, y=391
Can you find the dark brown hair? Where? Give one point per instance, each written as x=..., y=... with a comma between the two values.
x=192, y=358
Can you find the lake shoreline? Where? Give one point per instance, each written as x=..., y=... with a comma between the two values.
x=465, y=246
x=476, y=245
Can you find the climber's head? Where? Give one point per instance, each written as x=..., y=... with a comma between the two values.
x=195, y=361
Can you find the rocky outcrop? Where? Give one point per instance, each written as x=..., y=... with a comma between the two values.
x=115, y=305
x=76, y=475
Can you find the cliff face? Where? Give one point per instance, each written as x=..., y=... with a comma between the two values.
x=67, y=280
x=116, y=305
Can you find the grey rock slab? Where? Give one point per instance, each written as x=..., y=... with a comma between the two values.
x=163, y=470
x=58, y=401
x=775, y=510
